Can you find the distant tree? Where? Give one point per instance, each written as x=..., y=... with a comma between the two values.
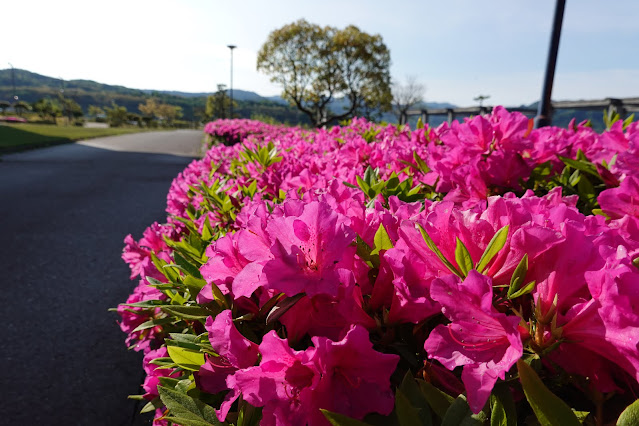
x=406, y=96
x=95, y=111
x=72, y=108
x=265, y=119
x=116, y=115
x=218, y=105
x=154, y=110
x=3, y=106
x=47, y=108
x=149, y=108
x=169, y=113
x=21, y=107
x=481, y=99
x=317, y=65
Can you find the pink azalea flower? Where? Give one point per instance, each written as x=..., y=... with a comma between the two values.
x=346, y=377
x=281, y=383
x=484, y=341
x=354, y=378
x=606, y=325
x=312, y=251
x=621, y=201
x=235, y=352
x=153, y=373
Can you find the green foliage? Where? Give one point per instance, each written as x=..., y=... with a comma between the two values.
x=341, y=420
x=218, y=105
x=373, y=187
x=548, y=407
x=185, y=410
x=459, y=414
x=317, y=65
x=116, y=115
x=630, y=416
x=47, y=108
x=25, y=136
x=578, y=177
x=31, y=87
x=411, y=406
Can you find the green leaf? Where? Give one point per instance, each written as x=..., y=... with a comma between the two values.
x=187, y=409
x=382, y=240
x=363, y=249
x=282, y=306
x=630, y=416
x=370, y=177
x=341, y=420
x=459, y=414
x=153, y=322
x=462, y=257
x=148, y=408
x=583, y=165
x=164, y=269
x=548, y=407
x=503, y=411
x=362, y=184
x=421, y=164
x=187, y=312
x=194, y=285
x=407, y=414
x=248, y=415
x=186, y=265
x=628, y=120
x=519, y=275
x=524, y=290
x=439, y=401
x=218, y=296
x=431, y=245
x=186, y=358
x=496, y=243
x=411, y=405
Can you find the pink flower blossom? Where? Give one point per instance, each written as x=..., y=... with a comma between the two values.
x=312, y=252
x=234, y=352
x=484, y=341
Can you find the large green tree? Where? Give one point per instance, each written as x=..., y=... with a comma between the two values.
x=322, y=67
x=116, y=115
x=47, y=108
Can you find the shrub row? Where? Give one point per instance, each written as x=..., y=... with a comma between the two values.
x=482, y=271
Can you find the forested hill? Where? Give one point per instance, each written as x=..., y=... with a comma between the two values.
x=31, y=87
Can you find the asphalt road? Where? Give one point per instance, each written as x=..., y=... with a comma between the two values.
x=64, y=212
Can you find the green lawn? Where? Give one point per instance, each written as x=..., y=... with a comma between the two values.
x=18, y=137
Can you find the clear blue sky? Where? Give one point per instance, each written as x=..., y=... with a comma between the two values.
x=458, y=49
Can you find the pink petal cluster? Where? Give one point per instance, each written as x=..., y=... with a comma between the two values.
x=327, y=282
x=346, y=376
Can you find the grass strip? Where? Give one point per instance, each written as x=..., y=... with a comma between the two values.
x=20, y=137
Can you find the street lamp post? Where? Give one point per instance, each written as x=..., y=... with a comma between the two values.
x=544, y=113
x=13, y=82
x=231, y=46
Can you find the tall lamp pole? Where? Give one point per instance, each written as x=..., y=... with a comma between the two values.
x=231, y=46
x=13, y=82
x=544, y=113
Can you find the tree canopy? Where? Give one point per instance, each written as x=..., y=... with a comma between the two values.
x=406, y=96
x=317, y=66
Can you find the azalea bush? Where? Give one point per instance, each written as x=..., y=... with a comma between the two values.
x=478, y=272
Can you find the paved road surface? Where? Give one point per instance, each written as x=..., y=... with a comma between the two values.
x=64, y=212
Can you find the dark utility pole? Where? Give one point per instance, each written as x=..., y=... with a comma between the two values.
x=231, y=46
x=544, y=113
